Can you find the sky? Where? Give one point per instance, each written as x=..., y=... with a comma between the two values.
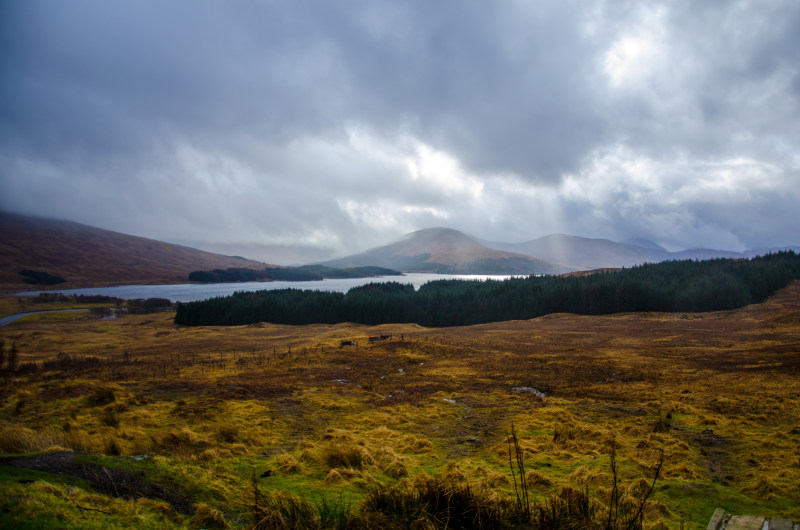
x=293, y=131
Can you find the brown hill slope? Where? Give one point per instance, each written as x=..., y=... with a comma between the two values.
x=87, y=256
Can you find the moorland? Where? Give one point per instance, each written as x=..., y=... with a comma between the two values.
x=646, y=417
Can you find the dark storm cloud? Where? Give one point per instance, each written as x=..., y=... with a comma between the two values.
x=507, y=90
x=337, y=125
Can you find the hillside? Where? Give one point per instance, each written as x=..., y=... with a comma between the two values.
x=86, y=256
x=447, y=251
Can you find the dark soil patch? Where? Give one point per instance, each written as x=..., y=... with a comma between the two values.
x=61, y=392
x=120, y=483
x=716, y=450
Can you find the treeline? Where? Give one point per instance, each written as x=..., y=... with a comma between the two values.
x=40, y=277
x=229, y=275
x=677, y=286
x=133, y=305
x=326, y=272
x=148, y=305
x=49, y=298
x=290, y=274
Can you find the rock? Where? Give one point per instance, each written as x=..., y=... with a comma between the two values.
x=528, y=390
x=723, y=521
x=708, y=431
x=781, y=524
x=745, y=522
x=716, y=519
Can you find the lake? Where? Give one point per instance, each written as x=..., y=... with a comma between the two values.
x=190, y=292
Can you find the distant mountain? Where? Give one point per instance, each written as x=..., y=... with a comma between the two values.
x=584, y=253
x=448, y=251
x=85, y=256
x=703, y=254
x=445, y=250
x=645, y=243
x=764, y=251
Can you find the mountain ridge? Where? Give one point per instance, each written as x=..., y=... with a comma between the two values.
x=86, y=256
x=552, y=254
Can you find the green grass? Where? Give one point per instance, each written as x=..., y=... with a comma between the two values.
x=54, y=317
x=71, y=503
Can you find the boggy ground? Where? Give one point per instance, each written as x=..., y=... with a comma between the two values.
x=174, y=426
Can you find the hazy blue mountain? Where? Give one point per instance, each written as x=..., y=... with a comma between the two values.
x=583, y=253
x=447, y=250
x=645, y=243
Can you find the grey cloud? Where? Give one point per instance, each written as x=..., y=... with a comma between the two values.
x=280, y=71
x=102, y=102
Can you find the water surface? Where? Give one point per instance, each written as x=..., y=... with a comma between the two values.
x=190, y=292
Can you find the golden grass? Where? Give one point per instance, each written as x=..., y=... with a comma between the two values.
x=221, y=402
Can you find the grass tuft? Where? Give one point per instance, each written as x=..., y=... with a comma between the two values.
x=16, y=439
x=395, y=469
x=763, y=488
x=335, y=476
x=536, y=479
x=109, y=417
x=101, y=396
x=163, y=509
x=280, y=509
x=112, y=447
x=347, y=456
x=570, y=508
x=439, y=504
x=207, y=517
x=288, y=464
